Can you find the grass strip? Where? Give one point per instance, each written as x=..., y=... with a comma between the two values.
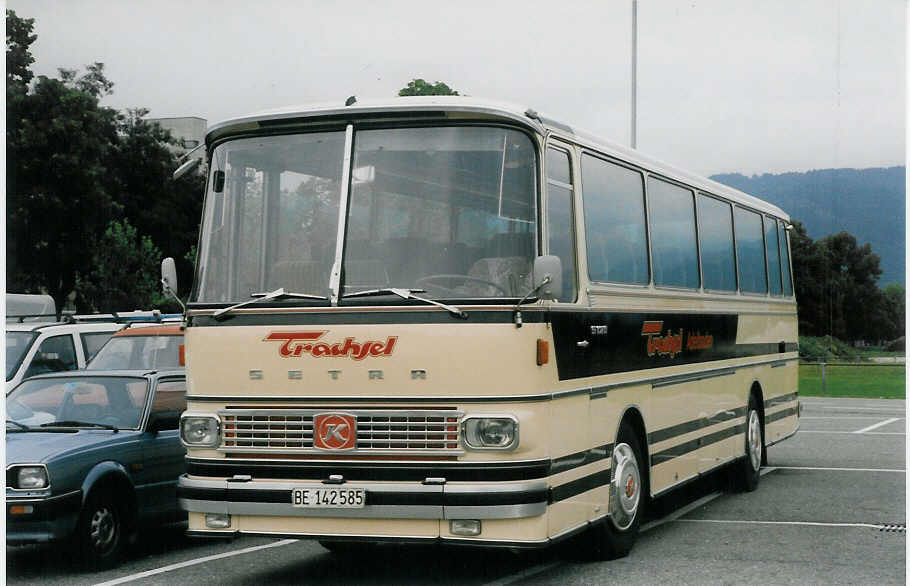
x=868, y=382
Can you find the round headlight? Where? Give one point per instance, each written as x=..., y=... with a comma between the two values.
x=202, y=431
x=491, y=433
x=30, y=477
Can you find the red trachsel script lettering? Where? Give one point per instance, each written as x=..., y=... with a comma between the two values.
x=669, y=345
x=297, y=344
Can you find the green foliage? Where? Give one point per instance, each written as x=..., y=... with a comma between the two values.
x=19, y=38
x=420, y=87
x=124, y=271
x=826, y=349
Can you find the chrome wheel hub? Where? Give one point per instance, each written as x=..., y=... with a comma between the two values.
x=102, y=529
x=625, y=490
x=753, y=440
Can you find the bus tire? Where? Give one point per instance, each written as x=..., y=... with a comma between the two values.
x=747, y=470
x=614, y=536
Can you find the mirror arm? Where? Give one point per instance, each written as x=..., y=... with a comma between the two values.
x=518, y=323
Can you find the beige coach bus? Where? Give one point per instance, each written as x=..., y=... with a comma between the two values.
x=452, y=320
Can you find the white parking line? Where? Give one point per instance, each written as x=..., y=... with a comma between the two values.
x=848, y=418
x=877, y=425
x=801, y=523
x=876, y=409
x=898, y=470
x=194, y=562
x=802, y=431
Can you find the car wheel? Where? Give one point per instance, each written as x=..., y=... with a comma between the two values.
x=746, y=472
x=614, y=536
x=100, y=532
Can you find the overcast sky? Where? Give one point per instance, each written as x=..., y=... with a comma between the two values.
x=723, y=85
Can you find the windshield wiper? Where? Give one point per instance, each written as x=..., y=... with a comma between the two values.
x=21, y=426
x=74, y=423
x=408, y=294
x=280, y=292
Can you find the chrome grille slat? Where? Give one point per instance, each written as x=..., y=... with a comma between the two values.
x=379, y=431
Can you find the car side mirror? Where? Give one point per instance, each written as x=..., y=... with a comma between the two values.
x=163, y=421
x=548, y=276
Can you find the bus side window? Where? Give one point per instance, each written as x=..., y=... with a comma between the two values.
x=772, y=250
x=750, y=252
x=673, y=249
x=785, y=258
x=560, y=219
x=715, y=232
x=614, y=205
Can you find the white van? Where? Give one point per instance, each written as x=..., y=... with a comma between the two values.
x=39, y=347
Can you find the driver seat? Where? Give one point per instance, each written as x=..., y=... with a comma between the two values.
x=512, y=273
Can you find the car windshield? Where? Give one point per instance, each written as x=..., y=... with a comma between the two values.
x=17, y=345
x=138, y=353
x=83, y=401
x=446, y=210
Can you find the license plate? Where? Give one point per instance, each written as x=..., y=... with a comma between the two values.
x=328, y=498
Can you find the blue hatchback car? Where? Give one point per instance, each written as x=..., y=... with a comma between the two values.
x=91, y=456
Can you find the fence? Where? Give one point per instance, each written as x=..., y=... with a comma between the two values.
x=853, y=379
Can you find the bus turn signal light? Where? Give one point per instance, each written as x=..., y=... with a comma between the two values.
x=543, y=352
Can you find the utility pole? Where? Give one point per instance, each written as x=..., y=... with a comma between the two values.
x=634, y=139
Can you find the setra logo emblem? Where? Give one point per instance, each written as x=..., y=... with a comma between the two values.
x=334, y=431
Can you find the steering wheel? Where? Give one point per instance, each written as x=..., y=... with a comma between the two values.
x=428, y=282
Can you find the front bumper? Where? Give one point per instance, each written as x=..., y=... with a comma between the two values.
x=511, y=500
x=49, y=519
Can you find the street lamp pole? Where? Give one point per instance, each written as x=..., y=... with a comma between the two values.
x=634, y=140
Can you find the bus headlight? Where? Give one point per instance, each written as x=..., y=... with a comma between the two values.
x=200, y=430
x=490, y=432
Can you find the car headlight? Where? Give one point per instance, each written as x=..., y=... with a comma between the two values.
x=30, y=478
x=200, y=430
x=490, y=432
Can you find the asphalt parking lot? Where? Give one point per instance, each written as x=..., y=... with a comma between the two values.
x=830, y=509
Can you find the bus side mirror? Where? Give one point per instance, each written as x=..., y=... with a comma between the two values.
x=169, y=277
x=548, y=267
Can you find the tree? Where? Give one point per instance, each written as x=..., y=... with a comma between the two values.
x=124, y=272
x=419, y=87
x=141, y=166
x=55, y=197
x=836, y=289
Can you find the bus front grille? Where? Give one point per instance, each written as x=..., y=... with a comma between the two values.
x=378, y=431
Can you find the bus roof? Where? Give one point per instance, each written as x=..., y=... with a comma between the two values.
x=464, y=107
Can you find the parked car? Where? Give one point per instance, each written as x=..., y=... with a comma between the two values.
x=141, y=347
x=91, y=457
x=40, y=347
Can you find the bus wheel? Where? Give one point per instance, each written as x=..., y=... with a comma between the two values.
x=746, y=472
x=615, y=536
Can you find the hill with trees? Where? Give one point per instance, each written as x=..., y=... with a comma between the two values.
x=867, y=203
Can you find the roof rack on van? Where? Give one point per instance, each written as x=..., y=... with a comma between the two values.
x=31, y=317
x=125, y=317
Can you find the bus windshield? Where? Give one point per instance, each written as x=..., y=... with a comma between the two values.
x=448, y=210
